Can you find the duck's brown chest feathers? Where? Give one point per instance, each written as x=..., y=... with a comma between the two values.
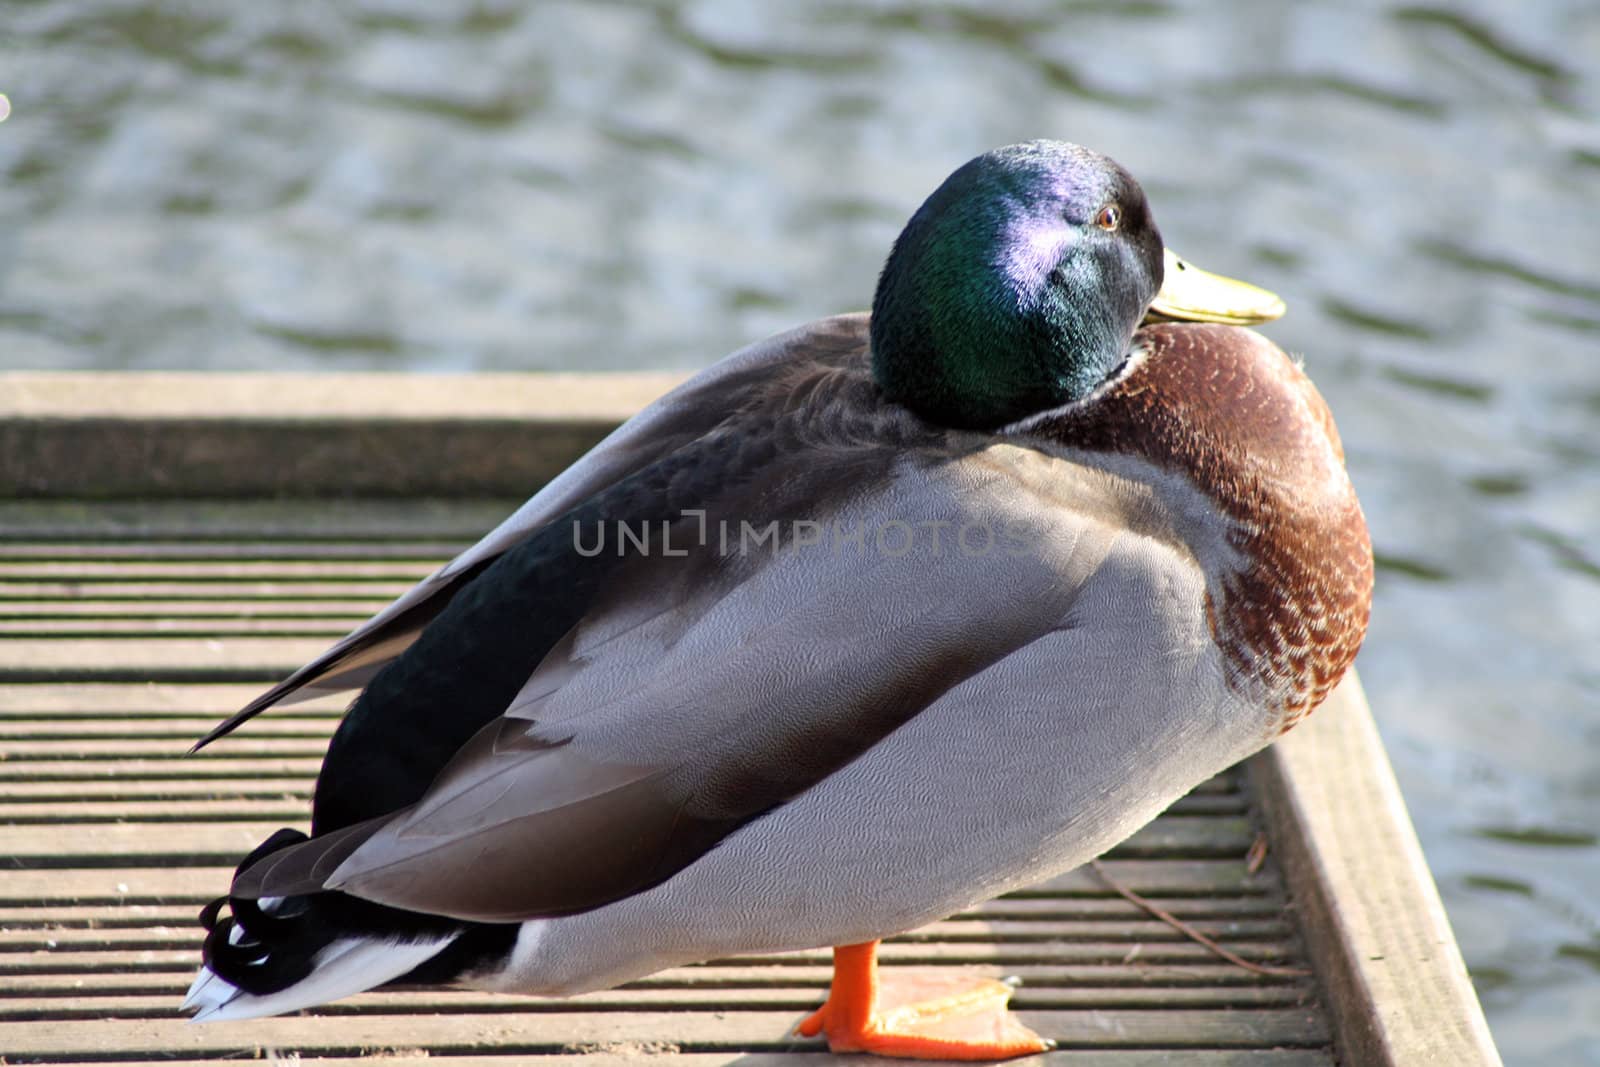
x=1227, y=410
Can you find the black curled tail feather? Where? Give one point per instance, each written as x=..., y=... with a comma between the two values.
x=264, y=949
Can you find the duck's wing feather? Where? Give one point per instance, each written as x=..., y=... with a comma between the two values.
x=682, y=416
x=705, y=690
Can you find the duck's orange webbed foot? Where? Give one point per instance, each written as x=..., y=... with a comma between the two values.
x=917, y=1016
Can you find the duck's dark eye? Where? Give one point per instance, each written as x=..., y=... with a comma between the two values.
x=1109, y=218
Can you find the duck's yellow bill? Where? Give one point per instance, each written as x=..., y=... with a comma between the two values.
x=1189, y=294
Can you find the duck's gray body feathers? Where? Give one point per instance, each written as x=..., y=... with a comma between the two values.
x=1037, y=762
x=984, y=659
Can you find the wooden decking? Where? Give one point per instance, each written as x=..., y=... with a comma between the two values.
x=127, y=627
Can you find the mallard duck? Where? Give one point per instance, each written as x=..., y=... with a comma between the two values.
x=867, y=623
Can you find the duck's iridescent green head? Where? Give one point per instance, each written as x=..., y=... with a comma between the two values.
x=1016, y=287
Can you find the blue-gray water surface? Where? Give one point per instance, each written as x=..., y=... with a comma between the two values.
x=474, y=184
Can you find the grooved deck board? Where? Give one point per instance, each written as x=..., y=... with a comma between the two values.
x=1065, y=978
x=126, y=630
x=560, y=1027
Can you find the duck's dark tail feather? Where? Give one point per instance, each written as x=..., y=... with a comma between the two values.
x=274, y=955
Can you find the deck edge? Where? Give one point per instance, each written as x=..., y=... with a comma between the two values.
x=1394, y=979
x=154, y=435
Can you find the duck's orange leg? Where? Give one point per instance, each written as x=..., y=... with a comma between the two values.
x=917, y=1016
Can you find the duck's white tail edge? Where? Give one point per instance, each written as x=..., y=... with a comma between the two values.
x=343, y=968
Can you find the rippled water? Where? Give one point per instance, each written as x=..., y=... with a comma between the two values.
x=443, y=184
